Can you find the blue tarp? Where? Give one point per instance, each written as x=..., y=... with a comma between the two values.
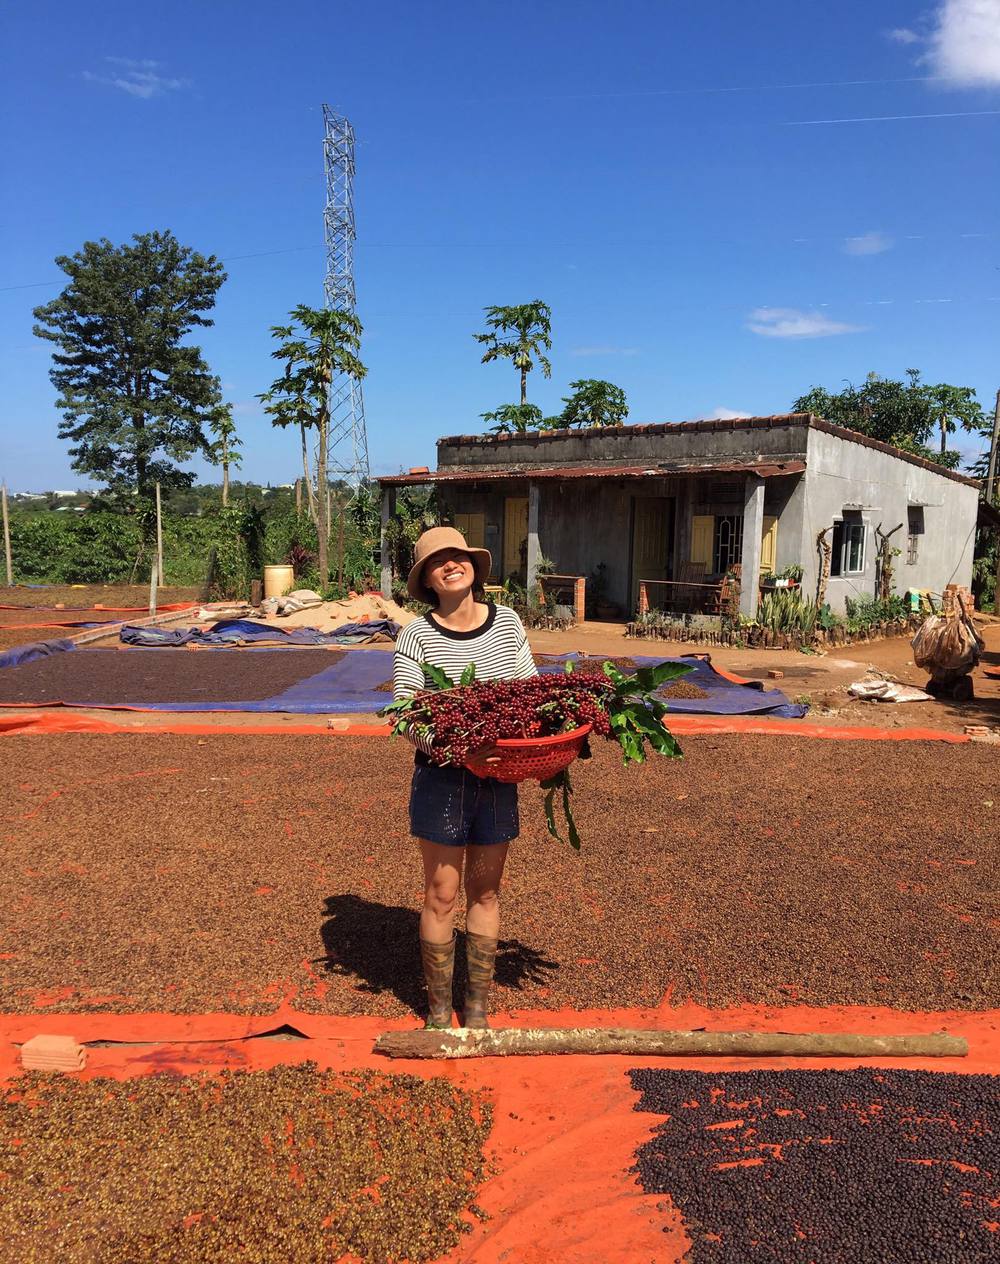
x=347, y=686
x=724, y=697
x=350, y=685
x=229, y=632
x=35, y=649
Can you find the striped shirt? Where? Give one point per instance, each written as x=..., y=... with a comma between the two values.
x=499, y=650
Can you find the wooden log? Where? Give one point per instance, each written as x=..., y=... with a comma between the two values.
x=513, y=1041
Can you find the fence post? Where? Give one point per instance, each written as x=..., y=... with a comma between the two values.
x=159, y=535
x=6, y=539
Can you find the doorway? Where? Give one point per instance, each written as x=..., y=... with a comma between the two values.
x=515, y=536
x=652, y=541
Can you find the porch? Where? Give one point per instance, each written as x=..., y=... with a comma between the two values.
x=642, y=538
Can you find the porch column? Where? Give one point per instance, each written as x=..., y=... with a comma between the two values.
x=753, y=529
x=388, y=509
x=534, y=551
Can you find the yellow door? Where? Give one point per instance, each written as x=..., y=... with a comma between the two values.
x=650, y=543
x=515, y=534
x=703, y=541
x=769, y=546
x=473, y=527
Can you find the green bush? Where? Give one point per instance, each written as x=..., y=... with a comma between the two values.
x=864, y=612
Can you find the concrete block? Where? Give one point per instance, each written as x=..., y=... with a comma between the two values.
x=53, y=1053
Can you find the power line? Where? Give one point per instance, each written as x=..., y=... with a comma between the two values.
x=889, y=118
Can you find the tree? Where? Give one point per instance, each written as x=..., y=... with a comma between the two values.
x=134, y=396
x=325, y=343
x=514, y=418
x=519, y=334
x=593, y=403
x=954, y=406
x=905, y=414
x=222, y=451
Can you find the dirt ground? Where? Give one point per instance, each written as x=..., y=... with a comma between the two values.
x=820, y=680
x=88, y=595
x=189, y=874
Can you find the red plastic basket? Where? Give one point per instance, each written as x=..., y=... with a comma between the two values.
x=521, y=758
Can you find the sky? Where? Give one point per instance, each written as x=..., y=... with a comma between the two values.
x=724, y=204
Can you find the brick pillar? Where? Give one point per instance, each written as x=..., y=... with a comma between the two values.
x=643, y=598
x=580, y=598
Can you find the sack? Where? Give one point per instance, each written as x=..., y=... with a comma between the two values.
x=945, y=643
x=887, y=691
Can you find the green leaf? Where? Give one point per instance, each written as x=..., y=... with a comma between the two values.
x=613, y=674
x=650, y=678
x=550, y=813
x=469, y=675
x=567, y=790
x=435, y=676
x=570, y=667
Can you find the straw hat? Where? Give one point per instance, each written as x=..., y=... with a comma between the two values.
x=436, y=540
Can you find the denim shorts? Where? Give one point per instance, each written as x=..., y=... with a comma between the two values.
x=454, y=807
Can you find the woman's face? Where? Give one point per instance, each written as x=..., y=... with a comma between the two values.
x=449, y=571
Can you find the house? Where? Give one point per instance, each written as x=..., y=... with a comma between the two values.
x=678, y=505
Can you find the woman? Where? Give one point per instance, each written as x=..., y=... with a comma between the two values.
x=458, y=818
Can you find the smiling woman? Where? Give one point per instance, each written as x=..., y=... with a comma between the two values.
x=455, y=815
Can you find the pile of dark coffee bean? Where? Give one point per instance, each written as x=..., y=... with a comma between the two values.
x=286, y=1166
x=827, y=1167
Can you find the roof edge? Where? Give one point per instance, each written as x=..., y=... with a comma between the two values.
x=855, y=436
x=806, y=420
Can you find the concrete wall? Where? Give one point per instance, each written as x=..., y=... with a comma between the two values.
x=585, y=523
x=625, y=445
x=840, y=473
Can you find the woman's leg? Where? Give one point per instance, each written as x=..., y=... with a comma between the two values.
x=483, y=871
x=442, y=879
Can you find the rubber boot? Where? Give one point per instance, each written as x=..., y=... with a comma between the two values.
x=481, y=953
x=439, y=967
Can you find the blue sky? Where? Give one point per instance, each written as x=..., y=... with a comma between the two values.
x=707, y=232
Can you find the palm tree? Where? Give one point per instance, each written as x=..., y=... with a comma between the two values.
x=221, y=452
x=514, y=418
x=952, y=406
x=326, y=344
x=519, y=334
x=593, y=403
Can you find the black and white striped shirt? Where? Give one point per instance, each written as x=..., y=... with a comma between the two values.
x=499, y=650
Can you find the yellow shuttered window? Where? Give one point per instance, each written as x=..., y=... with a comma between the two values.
x=769, y=545
x=703, y=539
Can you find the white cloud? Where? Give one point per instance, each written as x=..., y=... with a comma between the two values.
x=604, y=351
x=788, y=322
x=725, y=414
x=137, y=78
x=868, y=244
x=965, y=43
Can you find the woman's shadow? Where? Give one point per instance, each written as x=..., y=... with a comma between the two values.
x=377, y=946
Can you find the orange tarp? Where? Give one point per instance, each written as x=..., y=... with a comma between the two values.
x=69, y=722
x=554, y=1115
